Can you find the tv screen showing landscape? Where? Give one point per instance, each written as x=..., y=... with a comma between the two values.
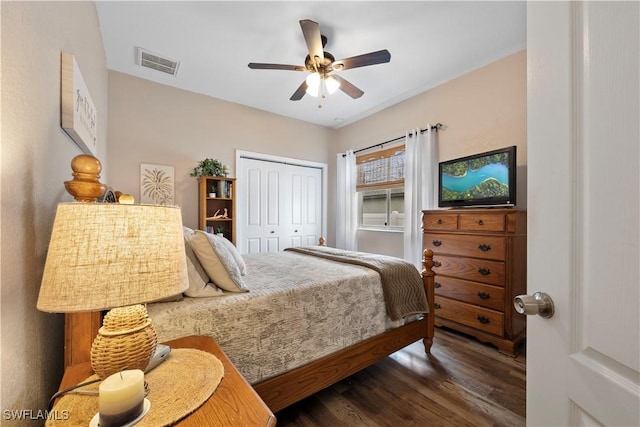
x=481, y=179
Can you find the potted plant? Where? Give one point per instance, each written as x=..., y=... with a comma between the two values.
x=212, y=191
x=220, y=231
x=208, y=167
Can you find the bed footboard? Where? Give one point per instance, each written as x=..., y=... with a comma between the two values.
x=293, y=386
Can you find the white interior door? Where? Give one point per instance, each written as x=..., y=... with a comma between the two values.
x=280, y=204
x=583, y=364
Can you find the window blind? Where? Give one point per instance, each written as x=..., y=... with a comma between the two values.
x=381, y=169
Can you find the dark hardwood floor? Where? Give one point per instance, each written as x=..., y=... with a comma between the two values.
x=462, y=383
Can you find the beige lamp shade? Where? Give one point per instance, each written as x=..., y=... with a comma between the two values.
x=106, y=255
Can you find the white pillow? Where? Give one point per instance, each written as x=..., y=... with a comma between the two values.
x=235, y=253
x=199, y=285
x=217, y=261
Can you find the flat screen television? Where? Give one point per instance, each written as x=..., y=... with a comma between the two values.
x=483, y=179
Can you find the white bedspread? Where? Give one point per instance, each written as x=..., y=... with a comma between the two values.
x=299, y=308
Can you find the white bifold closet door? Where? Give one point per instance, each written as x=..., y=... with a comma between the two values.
x=280, y=206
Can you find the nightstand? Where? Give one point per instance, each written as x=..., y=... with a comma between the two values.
x=234, y=403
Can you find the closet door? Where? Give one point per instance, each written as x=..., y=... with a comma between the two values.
x=280, y=205
x=302, y=209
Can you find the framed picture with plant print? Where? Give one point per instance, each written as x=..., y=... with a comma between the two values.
x=157, y=184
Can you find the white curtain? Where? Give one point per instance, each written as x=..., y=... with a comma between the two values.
x=346, y=202
x=420, y=188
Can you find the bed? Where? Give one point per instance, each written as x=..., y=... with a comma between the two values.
x=307, y=321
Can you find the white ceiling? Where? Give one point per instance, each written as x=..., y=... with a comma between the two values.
x=430, y=42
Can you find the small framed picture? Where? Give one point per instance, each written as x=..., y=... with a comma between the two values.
x=157, y=184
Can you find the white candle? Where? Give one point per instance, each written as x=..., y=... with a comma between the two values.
x=121, y=398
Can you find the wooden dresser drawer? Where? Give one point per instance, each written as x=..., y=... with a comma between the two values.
x=482, y=221
x=478, y=270
x=476, y=245
x=470, y=315
x=474, y=293
x=435, y=221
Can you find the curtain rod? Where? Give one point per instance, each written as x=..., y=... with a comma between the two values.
x=435, y=127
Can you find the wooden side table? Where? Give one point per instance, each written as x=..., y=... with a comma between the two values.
x=234, y=403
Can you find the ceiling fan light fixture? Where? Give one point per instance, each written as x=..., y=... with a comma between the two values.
x=332, y=84
x=313, y=84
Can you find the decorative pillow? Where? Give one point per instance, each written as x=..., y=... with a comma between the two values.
x=216, y=260
x=235, y=253
x=199, y=285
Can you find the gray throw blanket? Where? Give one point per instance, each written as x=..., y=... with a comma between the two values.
x=401, y=283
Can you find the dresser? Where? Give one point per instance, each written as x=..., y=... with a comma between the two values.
x=480, y=260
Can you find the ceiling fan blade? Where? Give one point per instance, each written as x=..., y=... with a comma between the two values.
x=311, y=32
x=348, y=88
x=260, y=66
x=371, y=58
x=299, y=93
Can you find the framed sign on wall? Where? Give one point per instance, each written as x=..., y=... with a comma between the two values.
x=78, y=112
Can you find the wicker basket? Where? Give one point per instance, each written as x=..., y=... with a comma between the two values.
x=126, y=340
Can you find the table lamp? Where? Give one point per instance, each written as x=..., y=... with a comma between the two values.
x=114, y=256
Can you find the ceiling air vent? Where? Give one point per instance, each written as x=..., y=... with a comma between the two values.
x=157, y=62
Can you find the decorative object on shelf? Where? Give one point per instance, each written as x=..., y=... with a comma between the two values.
x=220, y=231
x=219, y=215
x=108, y=256
x=126, y=199
x=85, y=186
x=109, y=196
x=157, y=184
x=208, y=167
x=78, y=117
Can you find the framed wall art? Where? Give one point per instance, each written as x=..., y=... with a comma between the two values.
x=157, y=184
x=78, y=115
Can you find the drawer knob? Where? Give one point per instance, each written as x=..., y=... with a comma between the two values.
x=437, y=285
x=480, y=222
x=483, y=320
x=437, y=263
x=437, y=243
x=484, y=247
x=436, y=306
x=484, y=271
x=439, y=221
x=483, y=295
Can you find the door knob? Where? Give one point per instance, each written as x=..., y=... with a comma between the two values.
x=539, y=303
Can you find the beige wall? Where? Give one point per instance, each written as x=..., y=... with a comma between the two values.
x=153, y=123
x=36, y=154
x=482, y=110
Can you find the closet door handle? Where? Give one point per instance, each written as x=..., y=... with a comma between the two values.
x=272, y=232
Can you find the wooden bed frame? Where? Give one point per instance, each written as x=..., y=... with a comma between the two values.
x=285, y=389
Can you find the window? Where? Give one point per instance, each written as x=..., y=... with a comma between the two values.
x=380, y=188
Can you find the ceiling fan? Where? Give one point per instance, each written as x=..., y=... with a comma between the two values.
x=320, y=64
